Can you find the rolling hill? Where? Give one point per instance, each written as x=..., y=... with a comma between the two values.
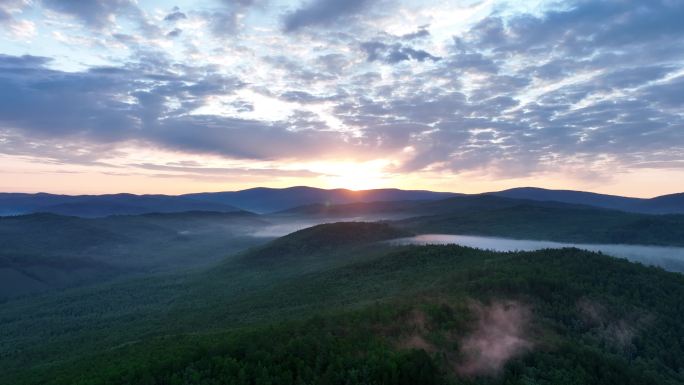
x=43, y=252
x=267, y=200
x=666, y=204
x=260, y=200
x=563, y=224
x=365, y=312
x=49, y=252
x=270, y=200
x=491, y=215
x=102, y=205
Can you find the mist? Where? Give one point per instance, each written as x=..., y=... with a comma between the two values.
x=281, y=225
x=500, y=335
x=669, y=258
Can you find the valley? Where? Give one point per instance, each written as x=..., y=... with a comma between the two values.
x=335, y=289
x=155, y=298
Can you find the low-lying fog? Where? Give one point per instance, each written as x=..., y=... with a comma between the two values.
x=669, y=258
x=276, y=230
x=284, y=225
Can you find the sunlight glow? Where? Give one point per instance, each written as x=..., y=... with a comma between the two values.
x=353, y=175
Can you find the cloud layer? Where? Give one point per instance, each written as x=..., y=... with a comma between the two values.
x=587, y=86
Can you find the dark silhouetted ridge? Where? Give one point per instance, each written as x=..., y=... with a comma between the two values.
x=666, y=204
x=326, y=238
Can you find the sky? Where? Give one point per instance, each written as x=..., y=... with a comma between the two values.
x=152, y=96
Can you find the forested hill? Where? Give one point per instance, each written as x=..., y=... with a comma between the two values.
x=330, y=236
x=93, y=206
x=368, y=313
x=267, y=200
x=43, y=252
x=556, y=223
x=665, y=204
x=515, y=218
x=260, y=200
x=48, y=252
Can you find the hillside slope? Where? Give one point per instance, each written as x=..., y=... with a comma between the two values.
x=42, y=252
x=266, y=200
x=92, y=206
x=556, y=223
x=666, y=204
x=514, y=218
x=369, y=313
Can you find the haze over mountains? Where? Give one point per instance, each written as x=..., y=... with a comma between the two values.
x=56, y=241
x=102, y=205
x=268, y=200
x=265, y=200
x=48, y=252
x=665, y=204
x=260, y=200
x=124, y=271
x=339, y=298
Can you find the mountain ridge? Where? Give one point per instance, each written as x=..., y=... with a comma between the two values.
x=264, y=200
x=663, y=204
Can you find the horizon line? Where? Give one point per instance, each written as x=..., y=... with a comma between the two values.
x=338, y=189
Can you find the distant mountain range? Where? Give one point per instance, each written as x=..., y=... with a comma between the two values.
x=665, y=204
x=269, y=200
x=263, y=200
x=103, y=205
x=259, y=200
x=48, y=252
x=42, y=252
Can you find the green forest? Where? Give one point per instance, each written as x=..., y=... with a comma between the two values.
x=333, y=305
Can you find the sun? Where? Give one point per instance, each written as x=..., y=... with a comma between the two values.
x=355, y=175
x=355, y=182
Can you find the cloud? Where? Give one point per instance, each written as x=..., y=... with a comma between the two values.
x=242, y=138
x=104, y=17
x=10, y=7
x=322, y=13
x=422, y=32
x=394, y=53
x=175, y=15
x=94, y=13
x=584, y=26
x=668, y=95
x=174, y=33
x=51, y=103
x=57, y=150
x=197, y=170
x=579, y=85
x=560, y=102
x=16, y=28
x=225, y=21
x=21, y=63
x=113, y=105
x=5, y=15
